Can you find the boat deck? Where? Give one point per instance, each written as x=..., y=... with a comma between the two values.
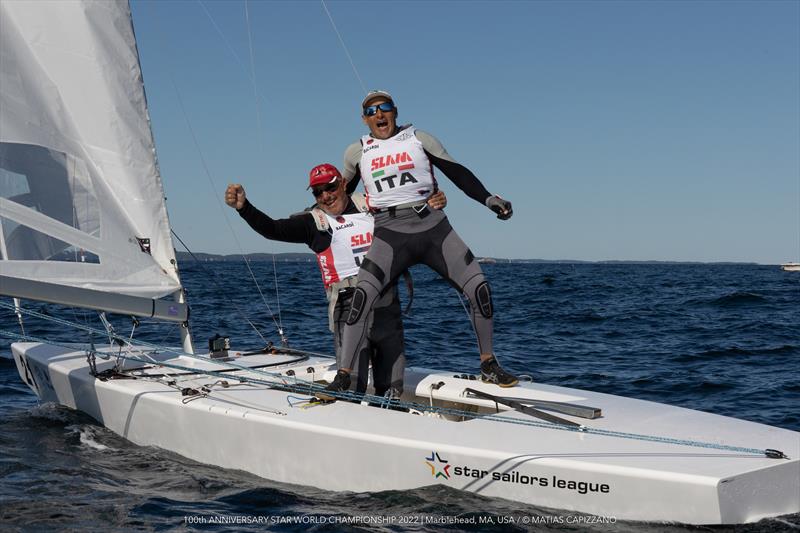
x=629, y=460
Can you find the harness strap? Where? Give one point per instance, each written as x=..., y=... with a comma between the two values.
x=420, y=208
x=321, y=220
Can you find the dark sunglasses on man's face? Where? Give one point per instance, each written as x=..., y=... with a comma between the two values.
x=385, y=107
x=330, y=187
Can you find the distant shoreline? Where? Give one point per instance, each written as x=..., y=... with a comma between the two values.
x=185, y=257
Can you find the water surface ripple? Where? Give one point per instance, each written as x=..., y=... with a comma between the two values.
x=718, y=338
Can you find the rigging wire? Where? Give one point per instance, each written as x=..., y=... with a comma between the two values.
x=210, y=179
x=140, y=343
x=262, y=145
x=595, y=431
x=222, y=35
x=190, y=370
x=257, y=97
x=344, y=46
x=222, y=210
x=256, y=93
x=296, y=385
x=216, y=282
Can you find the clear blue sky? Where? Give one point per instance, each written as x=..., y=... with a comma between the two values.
x=619, y=130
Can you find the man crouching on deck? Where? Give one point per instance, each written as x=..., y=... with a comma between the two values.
x=339, y=230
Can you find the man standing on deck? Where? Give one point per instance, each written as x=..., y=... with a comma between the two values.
x=396, y=166
x=339, y=230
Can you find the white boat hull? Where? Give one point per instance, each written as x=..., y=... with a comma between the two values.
x=350, y=447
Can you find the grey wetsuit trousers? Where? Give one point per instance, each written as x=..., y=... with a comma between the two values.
x=384, y=346
x=404, y=238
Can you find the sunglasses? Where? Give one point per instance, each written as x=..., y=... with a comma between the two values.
x=330, y=187
x=385, y=107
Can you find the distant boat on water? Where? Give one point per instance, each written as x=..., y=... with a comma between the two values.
x=791, y=267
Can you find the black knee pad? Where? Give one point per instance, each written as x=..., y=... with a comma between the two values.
x=357, y=306
x=483, y=298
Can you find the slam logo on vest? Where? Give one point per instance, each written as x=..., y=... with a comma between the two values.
x=402, y=159
x=327, y=277
x=360, y=240
x=359, y=246
x=404, y=165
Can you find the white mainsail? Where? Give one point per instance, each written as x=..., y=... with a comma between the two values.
x=78, y=170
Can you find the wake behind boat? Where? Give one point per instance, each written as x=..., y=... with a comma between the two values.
x=80, y=178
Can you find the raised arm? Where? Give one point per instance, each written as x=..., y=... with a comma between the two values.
x=461, y=176
x=300, y=229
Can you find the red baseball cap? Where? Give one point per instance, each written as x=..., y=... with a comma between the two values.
x=323, y=174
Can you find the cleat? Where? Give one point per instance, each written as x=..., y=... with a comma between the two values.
x=492, y=372
x=393, y=393
x=340, y=383
x=392, y=400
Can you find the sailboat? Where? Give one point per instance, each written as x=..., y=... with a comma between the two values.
x=79, y=177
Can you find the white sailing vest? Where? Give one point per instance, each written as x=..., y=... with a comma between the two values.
x=395, y=171
x=351, y=237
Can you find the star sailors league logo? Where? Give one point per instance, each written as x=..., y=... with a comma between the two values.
x=439, y=467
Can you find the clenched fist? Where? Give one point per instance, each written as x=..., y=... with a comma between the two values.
x=235, y=196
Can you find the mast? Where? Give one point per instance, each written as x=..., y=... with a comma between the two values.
x=186, y=330
x=3, y=257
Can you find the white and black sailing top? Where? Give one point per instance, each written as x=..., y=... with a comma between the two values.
x=340, y=242
x=396, y=170
x=399, y=170
x=351, y=237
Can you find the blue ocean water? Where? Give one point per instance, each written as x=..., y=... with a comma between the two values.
x=718, y=338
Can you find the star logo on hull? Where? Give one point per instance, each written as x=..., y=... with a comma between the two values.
x=439, y=467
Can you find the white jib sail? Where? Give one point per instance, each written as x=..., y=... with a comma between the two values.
x=81, y=199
